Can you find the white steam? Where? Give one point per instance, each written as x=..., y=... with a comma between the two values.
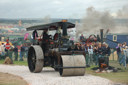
x=123, y=13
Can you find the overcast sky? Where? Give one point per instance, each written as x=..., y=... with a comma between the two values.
x=55, y=8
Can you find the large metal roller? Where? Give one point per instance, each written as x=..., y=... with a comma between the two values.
x=35, y=59
x=72, y=65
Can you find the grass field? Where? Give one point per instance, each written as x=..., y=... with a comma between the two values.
x=16, y=62
x=118, y=77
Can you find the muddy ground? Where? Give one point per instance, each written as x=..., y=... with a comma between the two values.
x=9, y=79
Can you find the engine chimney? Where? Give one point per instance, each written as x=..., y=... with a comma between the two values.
x=101, y=35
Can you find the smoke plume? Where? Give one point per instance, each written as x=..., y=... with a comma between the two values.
x=94, y=21
x=47, y=19
x=123, y=13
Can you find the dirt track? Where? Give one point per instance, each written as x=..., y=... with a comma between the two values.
x=10, y=79
x=49, y=77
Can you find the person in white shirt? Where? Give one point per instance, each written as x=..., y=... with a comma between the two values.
x=3, y=49
x=90, y=52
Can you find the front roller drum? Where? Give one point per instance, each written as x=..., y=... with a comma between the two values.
x=72, y=65
x=35, y=59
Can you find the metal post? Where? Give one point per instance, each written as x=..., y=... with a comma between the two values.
x=112, y=51
x=101, y=34
x=64, y=28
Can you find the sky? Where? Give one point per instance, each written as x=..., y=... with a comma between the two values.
x=55, y=8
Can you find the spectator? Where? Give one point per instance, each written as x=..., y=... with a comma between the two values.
x=81, y=38
x=10, y=52
x=96, y=54
x=22, y=50
x=100, y=50
x=118, y=49
x=90, y=52
x=80, y=47
x=123, y=54
x=26, y=50
x=87, y=55
x=3, y=51
x=7, y=47
x=108, y=52
x=16, y=53
x=124, y=45
x=76, y=47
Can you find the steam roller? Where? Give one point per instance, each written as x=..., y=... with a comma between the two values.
x=67, y=65
x=56, y=51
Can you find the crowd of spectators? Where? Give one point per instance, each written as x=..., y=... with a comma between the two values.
x=93, y=51
x=19, y=52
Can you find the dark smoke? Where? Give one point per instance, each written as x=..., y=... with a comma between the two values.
x=94, y=21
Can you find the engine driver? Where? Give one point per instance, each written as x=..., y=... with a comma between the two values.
x=45, y=41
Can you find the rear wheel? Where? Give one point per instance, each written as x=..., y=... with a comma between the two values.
x=35, y=59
